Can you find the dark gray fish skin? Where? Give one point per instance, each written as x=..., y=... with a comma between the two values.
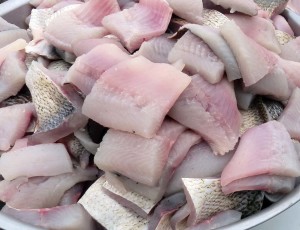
x=66, y=56
x=14, y=100
x=252, y=203
x=273, y=7
x=272, y=108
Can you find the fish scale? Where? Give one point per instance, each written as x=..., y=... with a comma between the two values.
x=213, y=18
x=208, y=199
x=51, y=106
x=283, y=37
x=271, y=6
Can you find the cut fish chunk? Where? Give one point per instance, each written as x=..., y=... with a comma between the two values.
x=80, y=22
x=268, y=183
x=12, y=74
x=246, y=6
x=197, y=57
x=200, y=162
x=61, y=217
x=38, y=160
x=121, y=90
x=259, y=29
x=157, y=49
x=145, y=158
x=190, y=10
x=58, y=107
x=24, y=193
x=213, y=113
x=290, y=116
x=218, y=45
x=84, y=46
x=108, y=212
x=180, y=216
x=143, y=21
x=273, y=154
x=291, y=50
x=14, y=122
x=213, y=18
x=281, y=24
x=72, y=195
x=205, y=199
x=88, y=68
x=254, y=60
x=10, y=36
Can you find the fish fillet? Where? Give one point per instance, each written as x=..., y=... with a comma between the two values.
x=246, y=6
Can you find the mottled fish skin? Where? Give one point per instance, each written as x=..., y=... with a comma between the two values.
x=18, y=99
x=272, y=108
x=283, y=37
x=213, y=18
x=272, y=7
x=250, y=118
x=59, y=66
x=51, y=105
x=207, y=199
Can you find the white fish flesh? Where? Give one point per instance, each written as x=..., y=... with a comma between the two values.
x=180, y=217
x=143, y=21
x=291, y=50
x=145, y=158
x=197, y=57
x=289, y=117
x=281, y=24
x=88, y=68
x=273, y=154
x=72, y=195
x=210, y=103
x=9, y=36
x=86, y=141
x=14, y=123
x=121, y=91
x=80, y=22
x=71, y=217
x=38, y=160
x=247, y=6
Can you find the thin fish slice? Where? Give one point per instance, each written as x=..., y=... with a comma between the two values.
x=205, y=199
x=72, y=195
x=131, y=200
x=213, y=18
x=144, y=97
x=79, y=22
x=290, y=116
x=17, y=45
x=15, y=120
x=180, y=216
x=273, y=154
x=197, y=57
x=108, y=212
x=190, y=10
x=58, y=108
x=218, y=45
x=254, y=61
x=145, y=158
x=143, y=21
x=246, y=6
x=207, y=102
x=61, y=217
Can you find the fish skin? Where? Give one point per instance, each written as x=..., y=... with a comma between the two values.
x=283, y=37
x=205, y=198
x=59, y=65
x=18, y=99
x=213, y=18
x=270, y=8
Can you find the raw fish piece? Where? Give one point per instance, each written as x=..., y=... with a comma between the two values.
x=283, y=37
x=145, y=158
x=80, y=22
x=12, y=74
x=190, y=10
x=131, y=200
x=14, y=122
x=219, y=220
x=246, y=6
x=269, y=8
x=273, y=154
x=197, y=57
x=145, y=97
x=167, y=205
x=218, y=45
x=177, y=154
x=281, y=24
x=157, y=49
x=200, y=162
x=213, y=113
x=42, y=192
x=180, y=216
x=58, y=107
x=291, y=50
x=60, y=66
x=38, y=160
x=268, y=183
x=259, y=29
x=290, y=116
x=143, y=21
x=84, y=46
x=86, y=141
x=213, y=18
x=205, y=199
x=62, y=217
x=254, y=61
x=108, y=212
x=17, y=45
x=10, y=36
x=88, y=68
x=72, y=195
x=244, y=99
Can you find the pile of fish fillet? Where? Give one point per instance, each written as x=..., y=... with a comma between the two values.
x=150, y=114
